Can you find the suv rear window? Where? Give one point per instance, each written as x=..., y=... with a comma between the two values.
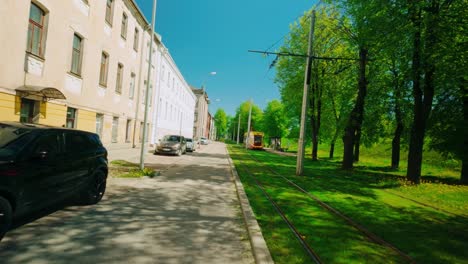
x=189, y=140
x=77, y=142
x=13, y=139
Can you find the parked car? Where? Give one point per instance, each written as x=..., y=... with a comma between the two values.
x=203, y=141
x=171, y=144
x=191, y=145
x=41, y=165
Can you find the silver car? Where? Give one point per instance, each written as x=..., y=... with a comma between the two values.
x=171, y=144
x=203, y=141
x=190, y=146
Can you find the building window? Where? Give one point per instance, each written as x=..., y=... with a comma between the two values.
x=118, y=86
x=77, y=54
x=136, y=38
x=150, y=91
x=131, y=91
x=109, y=7
x=123, y=29
x=104, y=69
x=143, y=95
x=36, y=31
x=71, y=117
x=99, y=124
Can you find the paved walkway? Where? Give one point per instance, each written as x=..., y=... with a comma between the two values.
x=188, y=214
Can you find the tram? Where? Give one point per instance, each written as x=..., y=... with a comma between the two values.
x=254, y=140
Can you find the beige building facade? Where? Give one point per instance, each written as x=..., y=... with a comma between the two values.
x=76, y=63
x=201, y=125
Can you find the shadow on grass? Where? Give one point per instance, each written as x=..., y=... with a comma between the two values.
x=428, y=236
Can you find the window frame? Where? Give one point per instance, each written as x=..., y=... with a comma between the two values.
x=119, y=78
x=136, y=39
x=104, y=69
x=80, y=55
x=131, y=90
x=73, y=119
x=109, y=12
x=32, y=24
x=124, y=26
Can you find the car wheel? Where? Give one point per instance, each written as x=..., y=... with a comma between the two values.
x=6, y=214
x=96, y=189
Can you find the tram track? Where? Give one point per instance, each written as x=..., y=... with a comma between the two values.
x=309, y=250
x=364, y=231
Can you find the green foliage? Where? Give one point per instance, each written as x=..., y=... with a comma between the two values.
x=221, y=123
x=243, y=111
x=274, y=120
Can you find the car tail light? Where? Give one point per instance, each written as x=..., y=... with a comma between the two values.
x=11, y=172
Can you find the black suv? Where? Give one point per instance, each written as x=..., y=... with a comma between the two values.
x=41, y=165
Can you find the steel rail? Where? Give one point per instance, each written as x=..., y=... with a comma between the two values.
x=373, y=237
x=312, y=254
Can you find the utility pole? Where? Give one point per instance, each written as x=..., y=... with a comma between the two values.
x=238, y=128
x=145, y=122
x=301, y=143
x=248, y=125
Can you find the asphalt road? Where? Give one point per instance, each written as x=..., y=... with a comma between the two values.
x=188, y=214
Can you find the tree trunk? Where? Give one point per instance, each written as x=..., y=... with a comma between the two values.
x=415, y=147
x=399, y=123
x=332, y=150
x=464, y=171
x=337, y=127
x=313, y=121
x=423, y=100
x=396, y=145
x=332, y=145
x=357, y=144
x=315, y=105
x=355, y=120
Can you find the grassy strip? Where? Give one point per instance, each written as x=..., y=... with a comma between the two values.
x=125, y=169
x=429, y=235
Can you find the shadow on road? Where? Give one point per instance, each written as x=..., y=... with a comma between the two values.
x=133, y=224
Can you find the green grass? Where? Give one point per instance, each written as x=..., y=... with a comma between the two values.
x=125, y=169
x=375, y=198
x=377, y=158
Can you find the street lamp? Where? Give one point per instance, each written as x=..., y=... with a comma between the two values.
x=145, y=122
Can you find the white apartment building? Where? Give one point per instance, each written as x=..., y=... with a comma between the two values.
x=83, y=64
x=174, y=98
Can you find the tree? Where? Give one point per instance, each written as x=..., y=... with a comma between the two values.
x=274, y=120
x=427, y=19
x=243, y=111
x=448, y=122
x=221, y=123
x=290, y=71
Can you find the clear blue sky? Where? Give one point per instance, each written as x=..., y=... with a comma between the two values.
x=214, y=35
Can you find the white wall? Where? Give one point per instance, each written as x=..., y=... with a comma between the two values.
x=175, y=101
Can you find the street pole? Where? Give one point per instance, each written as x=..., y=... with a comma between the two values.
x=238, y=128
x=301, y=143
x=145, y=125
x=248, y=125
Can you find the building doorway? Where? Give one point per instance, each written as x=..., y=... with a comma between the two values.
x=29, y=112
x=115, y=129
x=128, y=131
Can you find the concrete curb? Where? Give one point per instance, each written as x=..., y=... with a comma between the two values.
x=259, y=248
